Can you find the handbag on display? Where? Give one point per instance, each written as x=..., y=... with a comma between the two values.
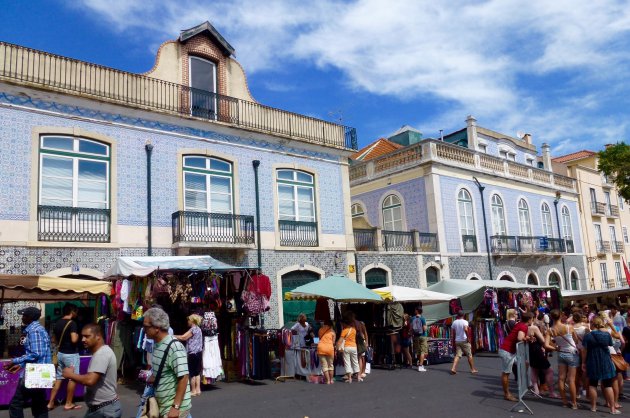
x=151, y=408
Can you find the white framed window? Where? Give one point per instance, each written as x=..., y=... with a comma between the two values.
x=524, y=219
x=208, y=184
x=392, y=213
x=613, y=234
x=74, y=172
x=498, y=216
x=618, y=274
x=624, y=231
x=603, y=271
x=357, y=210
x=296, y=196
x=620, y=199
x=547, y=225
x=567, y=232
x=466, y=221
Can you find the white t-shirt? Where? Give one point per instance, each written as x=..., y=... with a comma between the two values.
x=459, y=327
x=301, y=332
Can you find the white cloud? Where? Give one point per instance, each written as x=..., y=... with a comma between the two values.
x=548, y=67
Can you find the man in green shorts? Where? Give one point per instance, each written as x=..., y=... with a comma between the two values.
x=420, y=340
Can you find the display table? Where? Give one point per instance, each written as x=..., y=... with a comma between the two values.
x=9, y=382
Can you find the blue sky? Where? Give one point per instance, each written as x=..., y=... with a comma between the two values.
x=555, y=69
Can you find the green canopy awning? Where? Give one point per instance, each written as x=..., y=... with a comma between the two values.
x=338, y=288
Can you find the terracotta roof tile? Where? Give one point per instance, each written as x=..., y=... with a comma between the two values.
x=574, y=156
x=377, y=148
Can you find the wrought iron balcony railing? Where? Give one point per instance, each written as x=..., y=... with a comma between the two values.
x=598, y=208
x=569, y=245
x=68, y=224
x=298, y=234
x=365, y=239
x=617, y=247
x=189, y=226
x=428, y=242
x=398, y=241
x=613, y=211
x=470, y=243
x=602, y=247
x=54, y=72
x=555, y=245
x=504, y=244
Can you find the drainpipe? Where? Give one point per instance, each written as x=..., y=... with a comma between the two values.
x=485, y=225
x=564, y=268
x=256, y=164
x=149, y=149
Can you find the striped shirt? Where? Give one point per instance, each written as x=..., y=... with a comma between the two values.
x=176, y=366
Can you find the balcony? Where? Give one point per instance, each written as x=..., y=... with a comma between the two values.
x=602, y=247
x=68, y=224
x=69, y=76
x=365, y=239
x=504, y=244
x=613, y=211
x=434, y=151
x=469, y=243
x=411, y=241
x=617, y=247
x=203, y=227
x=598, y=208
x=298, y=234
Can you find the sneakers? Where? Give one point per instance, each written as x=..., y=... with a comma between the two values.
x=421, y=369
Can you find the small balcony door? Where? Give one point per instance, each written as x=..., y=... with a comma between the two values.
x=203, y=88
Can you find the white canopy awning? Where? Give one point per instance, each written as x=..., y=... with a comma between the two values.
x=412, y=294
x=143, y=266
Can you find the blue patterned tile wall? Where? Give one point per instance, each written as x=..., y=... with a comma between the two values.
x=16, y=129
x=415, y=203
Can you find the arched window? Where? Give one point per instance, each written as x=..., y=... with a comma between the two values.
x=506, y=278
x=357, y=210
x=498, y=216
x=392, y=213
x=567, y=233
x=524, y=219
x=207, y=185
x=547, y=226
x=433, y=276
x=532, y=280
x=466, y=221
x=574, y=280
x=554, y=279
x=375, y=278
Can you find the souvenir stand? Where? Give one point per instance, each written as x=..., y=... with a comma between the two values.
x=303, y=361
x=485, y=303
x=42, y=289
x=389, y=318
x=601, y=298
x=231, y=301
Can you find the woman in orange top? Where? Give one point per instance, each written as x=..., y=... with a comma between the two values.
x=350, y=358
x=326, y=350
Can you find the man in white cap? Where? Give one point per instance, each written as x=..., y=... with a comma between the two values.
x=37, y=350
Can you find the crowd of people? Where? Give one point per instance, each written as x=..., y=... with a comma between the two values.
x=592, y=349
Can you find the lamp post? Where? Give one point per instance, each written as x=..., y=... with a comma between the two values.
x=485, y=225
x=563, y=244
x=256, y=164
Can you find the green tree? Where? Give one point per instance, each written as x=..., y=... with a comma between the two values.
x=614, y=161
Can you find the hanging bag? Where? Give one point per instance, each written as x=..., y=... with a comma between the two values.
x=151, y=408
x=55, y=354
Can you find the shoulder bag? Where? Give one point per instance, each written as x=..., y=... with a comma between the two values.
x=151, y=408
x=55, y=354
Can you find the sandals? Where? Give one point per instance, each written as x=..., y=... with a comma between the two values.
x=73, y=407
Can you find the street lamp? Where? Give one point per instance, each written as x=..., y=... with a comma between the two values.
x=485, y=225
x=563, y=243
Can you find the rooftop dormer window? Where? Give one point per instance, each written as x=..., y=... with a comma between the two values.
x=203, y=88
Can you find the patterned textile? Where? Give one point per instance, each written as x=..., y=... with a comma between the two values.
x=36, y=346
x=195, y=343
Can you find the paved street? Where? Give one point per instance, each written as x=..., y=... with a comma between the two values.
x=400, y=393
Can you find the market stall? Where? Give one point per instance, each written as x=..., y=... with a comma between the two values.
x=231, y=299
x=303, y=361
x=32, y=288
x=485, y=303
x=601, y=298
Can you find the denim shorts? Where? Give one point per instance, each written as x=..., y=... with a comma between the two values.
x=507, y=360
x=67, y=360
x=569, y=359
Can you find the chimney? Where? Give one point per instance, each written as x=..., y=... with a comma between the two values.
x=471, y=132
x=528, y=139
x=546, y=157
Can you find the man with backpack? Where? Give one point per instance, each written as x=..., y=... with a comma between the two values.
x=420, y=340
